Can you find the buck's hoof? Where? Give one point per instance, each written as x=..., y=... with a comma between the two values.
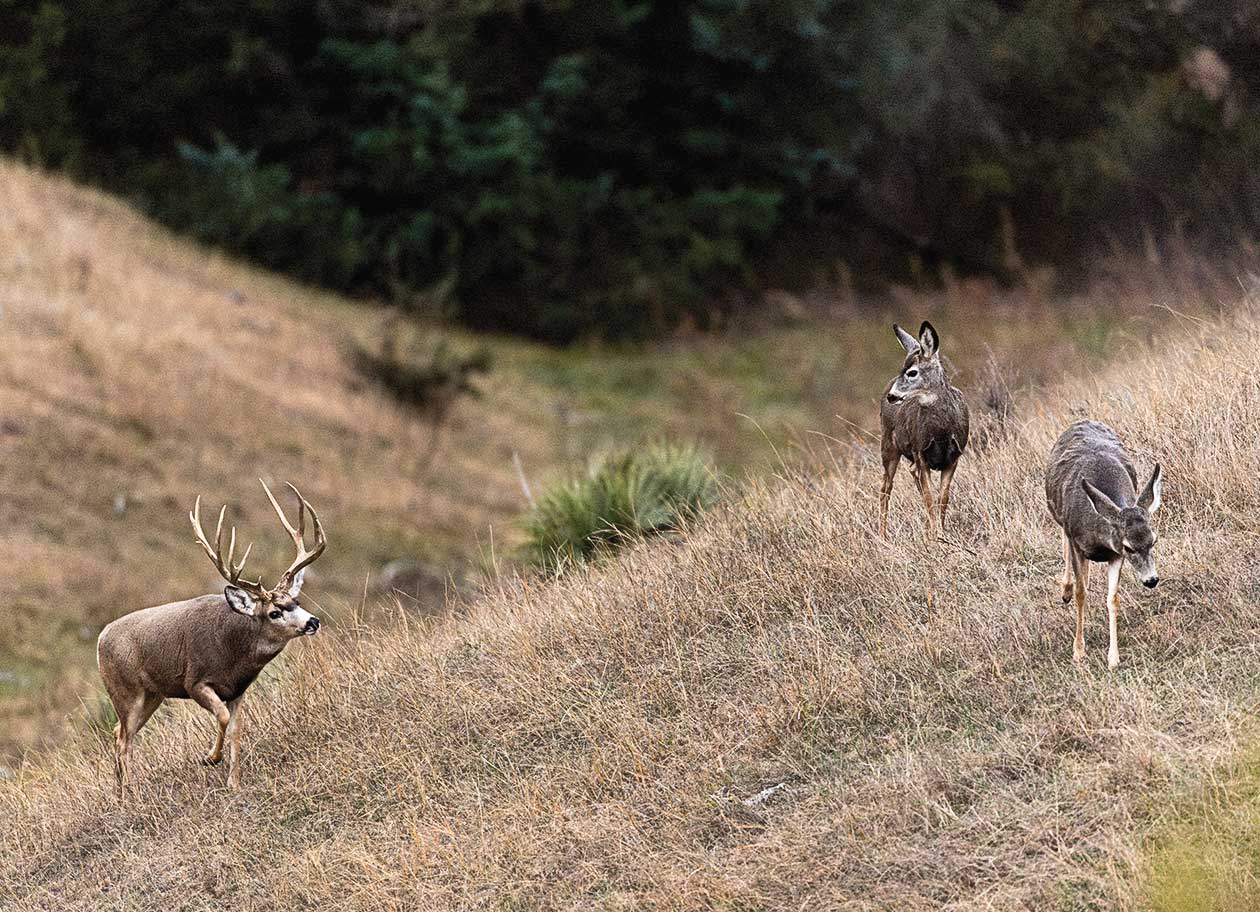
x=211, y=760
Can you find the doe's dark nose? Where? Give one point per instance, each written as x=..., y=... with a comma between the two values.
x=1151, y=583
x=312, y=624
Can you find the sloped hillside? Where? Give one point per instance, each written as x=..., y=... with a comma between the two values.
x=781, y=711
x=137, y=371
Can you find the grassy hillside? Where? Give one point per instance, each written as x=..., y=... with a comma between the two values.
x=137, y=371
x=782, y=711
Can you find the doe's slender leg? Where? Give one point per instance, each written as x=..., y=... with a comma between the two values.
x=947, y=478
x=885, y=491
x=923, y=478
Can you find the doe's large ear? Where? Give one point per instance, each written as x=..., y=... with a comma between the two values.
x=295, y=585
x=928, y=339
x=240, y=601
x=1105, y=506
x=1152, y=494
x=908, y=342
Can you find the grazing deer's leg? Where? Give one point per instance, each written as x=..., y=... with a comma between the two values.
x=1113, y=605
x=885, y=491
x=947, y=478
x=1066, y=580
x=234, y=743
x=1080, y=566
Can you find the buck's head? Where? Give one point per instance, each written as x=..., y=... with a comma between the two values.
x=922, y=368
x=1131, y=532
x=277, y=609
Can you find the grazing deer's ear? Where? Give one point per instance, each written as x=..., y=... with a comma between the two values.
x=928, y=340
x=908, y=342
x=1152, y=493
x=296, y=585
x=1105, y=506
x=240, y=601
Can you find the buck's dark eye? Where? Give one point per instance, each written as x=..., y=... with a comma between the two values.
x=912, y=373
x=275, y=615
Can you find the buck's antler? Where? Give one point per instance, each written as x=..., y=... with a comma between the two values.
x=229, y=571
x=304, y=558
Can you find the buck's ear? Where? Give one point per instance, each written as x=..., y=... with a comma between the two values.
x=1105, y=506
x=908, y=342
x=240, y=601
x=928, y=340
x=1152, y=493
x=295, y=586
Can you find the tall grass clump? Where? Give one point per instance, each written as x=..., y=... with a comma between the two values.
x=620, y=499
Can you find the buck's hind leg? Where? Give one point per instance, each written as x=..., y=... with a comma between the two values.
x=1065, y=581
x=885, y=491
x=133, y=711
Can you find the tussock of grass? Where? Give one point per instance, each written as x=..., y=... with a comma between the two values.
x=620, y=499
x=591, y=742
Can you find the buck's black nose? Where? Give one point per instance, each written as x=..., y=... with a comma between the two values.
x=312, y=624
x=1151, y=583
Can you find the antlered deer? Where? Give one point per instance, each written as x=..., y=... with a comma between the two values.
x=1091, y=489
x=208, y=649
x=924, y=421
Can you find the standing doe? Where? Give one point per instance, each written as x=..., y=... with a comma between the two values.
x=208, y=649
x=1091, y=489
x=924, y=420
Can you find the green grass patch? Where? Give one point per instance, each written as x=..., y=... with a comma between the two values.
x=619, y=500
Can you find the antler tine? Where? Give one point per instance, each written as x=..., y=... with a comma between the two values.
x=284, y=520
x=304, y=558
x=227, y=569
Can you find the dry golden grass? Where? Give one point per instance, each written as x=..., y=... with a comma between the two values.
x=138, y=371
x=597, y=742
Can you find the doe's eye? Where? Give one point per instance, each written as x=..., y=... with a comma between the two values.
x=275, y=615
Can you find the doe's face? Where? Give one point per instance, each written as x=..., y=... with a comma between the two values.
x=917, y=373
x=1138, y=539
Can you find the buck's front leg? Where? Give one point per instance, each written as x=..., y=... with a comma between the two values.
x=205, y=697
x=234, y=743
x=1113, y=605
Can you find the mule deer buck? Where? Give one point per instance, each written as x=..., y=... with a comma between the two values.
x=924, y=421
x=1091, y=489
x=208, y=649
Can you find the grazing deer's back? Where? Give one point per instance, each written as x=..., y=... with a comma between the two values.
x=1091, y=451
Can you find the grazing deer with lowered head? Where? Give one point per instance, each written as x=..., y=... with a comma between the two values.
x=924, y=421
x=207, y=649
x=1091, y=489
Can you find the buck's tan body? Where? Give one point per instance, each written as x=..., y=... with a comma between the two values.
x=207, y=649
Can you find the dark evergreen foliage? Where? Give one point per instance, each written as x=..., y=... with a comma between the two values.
x=609, y=167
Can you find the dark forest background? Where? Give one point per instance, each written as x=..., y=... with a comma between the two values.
x=593, y=168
